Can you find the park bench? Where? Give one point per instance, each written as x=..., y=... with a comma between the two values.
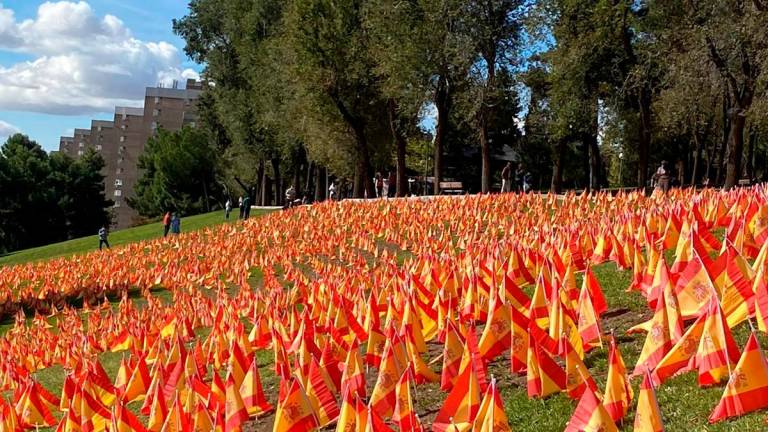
x=451, y=187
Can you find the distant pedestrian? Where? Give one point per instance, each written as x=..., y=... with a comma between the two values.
x=378, y=183
x=246, y=207
x=103, y=234
x=290, y=197
x=227, y=209
x=527, y=180
x=519, y=173
x=506, y=176
x=166, y=223
x=332, y=191
x=176, y=224
x=661, y=177
x=242, y=209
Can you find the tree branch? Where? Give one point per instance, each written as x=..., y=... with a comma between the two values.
x=721, y=65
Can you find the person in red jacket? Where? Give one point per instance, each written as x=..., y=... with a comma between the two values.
x=166, y=223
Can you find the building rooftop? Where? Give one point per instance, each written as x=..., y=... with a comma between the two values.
x=172, y=93
x=131, y=111
x=67, y=138
x=102, y=123
x=82, y=131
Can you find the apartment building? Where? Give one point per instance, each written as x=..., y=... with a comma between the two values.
x=122, y=140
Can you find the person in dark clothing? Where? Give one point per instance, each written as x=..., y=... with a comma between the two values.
x=379, y=182
x=392, y=191
x=242, y=209
x=176, y=224
x=506, y=176
x=246, y=207
x=166, y=223
x=519, y=174
x=103, y=234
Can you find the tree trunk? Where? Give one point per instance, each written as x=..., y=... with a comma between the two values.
x=400, y=146
x=205, y=196
x=735, y=148
x=310, y=174
x=485, y=153
x=751, y=153
x=696, y=158
x=441, y=128
x=363, y=177
x=644, y=144
x=261, y=174
x=319, y=182
x=278, y=181
x=725, y=137
x=557, y=167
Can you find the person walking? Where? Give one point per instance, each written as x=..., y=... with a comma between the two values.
x=506, y=176
x=290, y=196
x=240, y=205
x=246, y=207
x=379, y=182
x=519, y=173
x=227, y=209
x=661, y=177
x=332, y=190
x=166, y=223
x=176, y=224
x=103, y=234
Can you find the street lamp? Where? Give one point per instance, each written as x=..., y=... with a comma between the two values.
x=621, y=163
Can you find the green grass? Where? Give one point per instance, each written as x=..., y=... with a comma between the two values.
x=117, y=238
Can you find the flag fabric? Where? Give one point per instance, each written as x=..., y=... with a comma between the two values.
x=618, y=391
x=235, y=412
x=253, y=393
x=491, y=416
x=747, y=388
x=405, y=414
x=590, y=415
x=648, y=414
x=294, y=413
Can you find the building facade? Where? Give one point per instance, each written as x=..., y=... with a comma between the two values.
x=122, y=140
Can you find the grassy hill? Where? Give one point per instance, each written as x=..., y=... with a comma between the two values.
x=116, y=238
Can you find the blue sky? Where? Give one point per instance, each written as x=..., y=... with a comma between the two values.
x=63, y=63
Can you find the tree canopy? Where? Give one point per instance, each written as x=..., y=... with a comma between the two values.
x=582, y=93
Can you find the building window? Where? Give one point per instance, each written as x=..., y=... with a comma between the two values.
x=119, y=171
x=154, y=125
x=79, y=152
x=157, y=99
x=155, y=112
x=81, y=144
x=117, y=203
x=120, y=160
x=118, y=192
x=124, y=127
x=122, y=138
x=98, y=147
x=118, y=182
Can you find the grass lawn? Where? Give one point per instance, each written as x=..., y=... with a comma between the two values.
x=116, y=238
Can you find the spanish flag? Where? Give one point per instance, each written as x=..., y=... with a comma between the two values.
x=648, y=415
x=590, y=415
x=491, y=416
x=747, y=388
x=253, y=392
x=294, y=413
x=618, y=391
x=405, y=415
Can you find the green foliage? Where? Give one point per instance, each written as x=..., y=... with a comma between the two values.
x=48, y=198
x=179, y=174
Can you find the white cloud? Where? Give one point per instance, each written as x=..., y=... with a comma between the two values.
x=82, y=63
x=6, y=130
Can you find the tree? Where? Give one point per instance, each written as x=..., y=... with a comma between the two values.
x=495, y=27
x=179, y=174
x=48, y=198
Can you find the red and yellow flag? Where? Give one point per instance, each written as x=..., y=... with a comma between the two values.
x=747, y=388
x=648, y=414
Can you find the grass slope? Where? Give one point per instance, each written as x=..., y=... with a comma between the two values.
x=128, y=235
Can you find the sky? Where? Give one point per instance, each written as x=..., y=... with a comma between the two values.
x=63, y=63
